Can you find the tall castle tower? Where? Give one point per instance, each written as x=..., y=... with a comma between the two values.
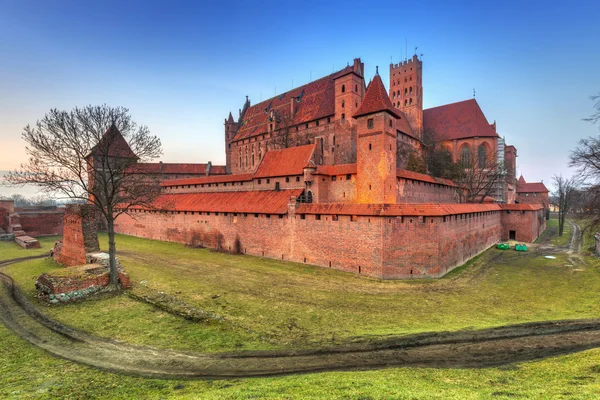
x=376, y=147
x=230, y=130
x=406, y=91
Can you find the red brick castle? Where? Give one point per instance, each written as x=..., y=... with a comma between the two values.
x=318, y=175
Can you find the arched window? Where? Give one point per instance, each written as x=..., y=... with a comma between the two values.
x=343, y=88
x=394, y=95
x=405, y=91
x=309, y=197
x=410, y=91
x=465, y=155
x=410, y=102
x=405, y=102
x=482, y=155
x=356, y=88
x=343, y=104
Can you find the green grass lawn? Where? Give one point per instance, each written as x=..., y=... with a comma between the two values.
x=552, y=230
x=9, y=250
x=270, y=304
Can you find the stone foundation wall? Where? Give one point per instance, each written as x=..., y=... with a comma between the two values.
x=527, y=225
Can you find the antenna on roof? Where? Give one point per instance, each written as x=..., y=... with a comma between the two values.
x=473, y=92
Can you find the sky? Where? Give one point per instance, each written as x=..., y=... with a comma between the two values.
x=182, y=66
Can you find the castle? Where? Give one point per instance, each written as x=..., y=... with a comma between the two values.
x=320, y=175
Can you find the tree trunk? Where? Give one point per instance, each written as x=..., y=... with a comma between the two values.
x=112, y=253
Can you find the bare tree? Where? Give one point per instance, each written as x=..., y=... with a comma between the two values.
x=89, y=154
x=477, y=178
x=566, y=192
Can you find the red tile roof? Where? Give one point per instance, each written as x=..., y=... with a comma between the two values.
x=259, y=201
x=457, y=121
x=207, y=179
x=403, y=173
x=404, y=125
x=332, y=170
x=113, y=143
x=317, y=100
x=177, y=168
x=284, y=162
x=522, y=207
x=533, y=187
x=429, y=210
x=376, y=99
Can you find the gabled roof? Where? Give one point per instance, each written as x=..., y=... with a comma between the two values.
x=404, y=125
x=177, y=168
x=334, y=170
x=394, y=210
x=415, y=176
x=533, y=187
x=259, y=201
x=113, y=144
x=376, y=99
x=460, y=120
x=207, y=179
x=314, y=100
x=284, y=162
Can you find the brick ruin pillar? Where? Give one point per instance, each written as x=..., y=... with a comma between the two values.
x=79, y=235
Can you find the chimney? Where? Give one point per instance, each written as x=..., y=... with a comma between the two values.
x=292, y=106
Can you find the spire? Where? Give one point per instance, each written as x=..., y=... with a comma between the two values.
x=376, y=99
x=230, y=119
x=521, y=179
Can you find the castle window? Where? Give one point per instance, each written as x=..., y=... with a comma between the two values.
x=307, y=125
x=277, y=186
x=317, y=123
x=333, y=178
x=328, y=119
x=297, y=179
x=410, y=101
x=296, y=128
x=369, y=187
x=390, y=123
x=303, y=216
x=343, y=88
x=394, y=95
x=405, y=102
x=348, y=177
x=334, y=217
x=287, y=179
x=482, y=155
x=255, y=215
x=370, y=126
x=405, y=90
x=353, y=218
x=229, y=145
x=343, y=104
x=410, y=90
x=465, y=155
x=259, y=181
x=370, y=147
x=268, y=180
x=270, y=127
x=318, y=217
x=356, y=88
x=343, y=117
x=334, y=140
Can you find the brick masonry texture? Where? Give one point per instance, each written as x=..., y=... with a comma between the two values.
x=79, y=235
x=381, y=247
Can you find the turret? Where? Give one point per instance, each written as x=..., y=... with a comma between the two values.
x=376, y=149
x=349, y=92
x=230, y=131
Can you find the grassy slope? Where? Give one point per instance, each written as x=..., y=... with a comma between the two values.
x=272, y=304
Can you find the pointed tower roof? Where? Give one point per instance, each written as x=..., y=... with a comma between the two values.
x=521, y=179
x=230, y=118
x=113, y=144
x=376, y=100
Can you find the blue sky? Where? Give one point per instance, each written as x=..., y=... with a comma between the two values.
x=180, y=67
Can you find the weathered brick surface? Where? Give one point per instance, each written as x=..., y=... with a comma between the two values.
x=79, y=235
x=410, y=191
x=382, y=247
x=27, y=242
x=527, y=225
x=42, y=223
x=78, y=278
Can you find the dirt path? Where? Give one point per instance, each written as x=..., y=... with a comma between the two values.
x=482, y=348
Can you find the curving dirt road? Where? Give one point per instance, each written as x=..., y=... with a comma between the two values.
x=482, y=348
